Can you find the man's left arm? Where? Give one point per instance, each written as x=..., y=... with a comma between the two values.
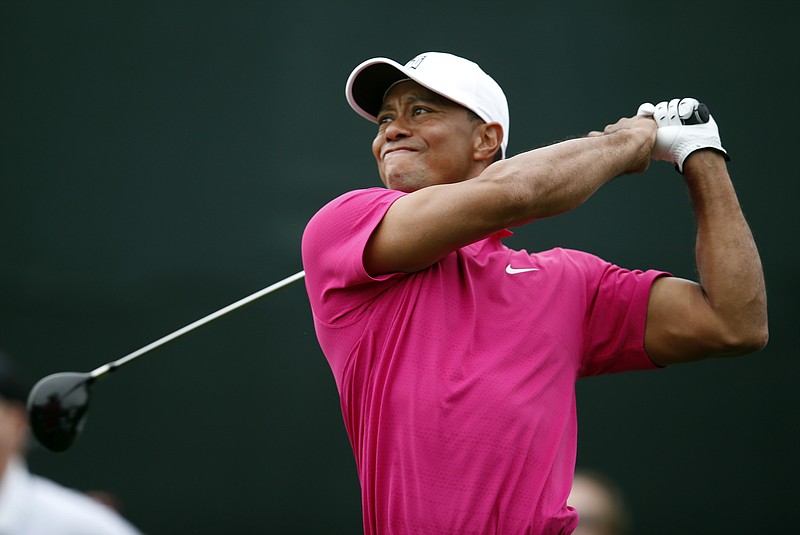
x=725, y=314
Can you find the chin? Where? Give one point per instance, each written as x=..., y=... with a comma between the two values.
x=406, y=181
x=403, y=185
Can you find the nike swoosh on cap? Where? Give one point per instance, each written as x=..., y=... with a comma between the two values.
x=513, y=271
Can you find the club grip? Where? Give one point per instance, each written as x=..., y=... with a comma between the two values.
x=698, y=116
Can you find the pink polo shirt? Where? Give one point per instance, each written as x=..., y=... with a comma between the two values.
x=457, y=382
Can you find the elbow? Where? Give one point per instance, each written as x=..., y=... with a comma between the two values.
x=744, y=330
x=747, y=340
x=758, y=340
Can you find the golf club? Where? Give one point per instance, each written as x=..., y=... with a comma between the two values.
x=57, y=404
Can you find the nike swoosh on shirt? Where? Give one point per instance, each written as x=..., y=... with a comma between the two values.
x=513, y=271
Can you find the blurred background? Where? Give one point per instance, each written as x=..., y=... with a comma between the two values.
x=159, y=160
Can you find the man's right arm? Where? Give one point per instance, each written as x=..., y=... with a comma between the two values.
x=424, y=226
x=725, y=313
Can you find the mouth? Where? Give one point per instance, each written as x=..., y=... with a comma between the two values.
x=394, y=151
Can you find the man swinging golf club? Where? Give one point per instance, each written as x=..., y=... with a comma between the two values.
x=456, y=357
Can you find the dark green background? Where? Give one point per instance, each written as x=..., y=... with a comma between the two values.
x=159, y=161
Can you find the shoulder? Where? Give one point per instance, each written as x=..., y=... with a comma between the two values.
x=72, y=511
x=347, y=217
x=573, y=261
x=595, y=272
x=358, y=199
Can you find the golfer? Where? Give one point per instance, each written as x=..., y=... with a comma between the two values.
x=456, y=357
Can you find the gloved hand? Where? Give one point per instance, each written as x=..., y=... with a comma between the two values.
x=684, y=126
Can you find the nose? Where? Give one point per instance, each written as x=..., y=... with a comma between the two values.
x=397, y=129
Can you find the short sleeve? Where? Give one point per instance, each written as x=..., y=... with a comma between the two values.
x=333, y=248
x=615, y=319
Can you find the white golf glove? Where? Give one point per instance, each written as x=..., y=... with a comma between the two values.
x=684, y=126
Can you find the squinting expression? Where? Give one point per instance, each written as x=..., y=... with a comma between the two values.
x=423, y=139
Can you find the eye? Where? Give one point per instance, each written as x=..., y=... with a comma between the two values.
x=384, y=119
x=419, y=110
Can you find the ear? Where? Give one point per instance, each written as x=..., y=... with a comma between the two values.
x=488, y=138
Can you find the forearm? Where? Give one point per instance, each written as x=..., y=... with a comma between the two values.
x=557, y=178
x=727, y=258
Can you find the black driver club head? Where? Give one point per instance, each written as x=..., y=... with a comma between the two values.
x=57, y=407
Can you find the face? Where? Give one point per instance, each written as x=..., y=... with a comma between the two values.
x=424, y=139
x=596, y=508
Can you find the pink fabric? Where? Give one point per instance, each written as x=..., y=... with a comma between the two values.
x=457, y=383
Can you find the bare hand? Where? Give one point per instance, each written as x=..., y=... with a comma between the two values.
x=643, y=128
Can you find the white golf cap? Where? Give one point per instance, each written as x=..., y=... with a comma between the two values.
x=455, y=78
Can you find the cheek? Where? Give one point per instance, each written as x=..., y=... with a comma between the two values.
x=376, y=152
x=377, y=143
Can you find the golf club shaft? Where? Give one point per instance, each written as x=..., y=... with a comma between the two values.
x=111, y=366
